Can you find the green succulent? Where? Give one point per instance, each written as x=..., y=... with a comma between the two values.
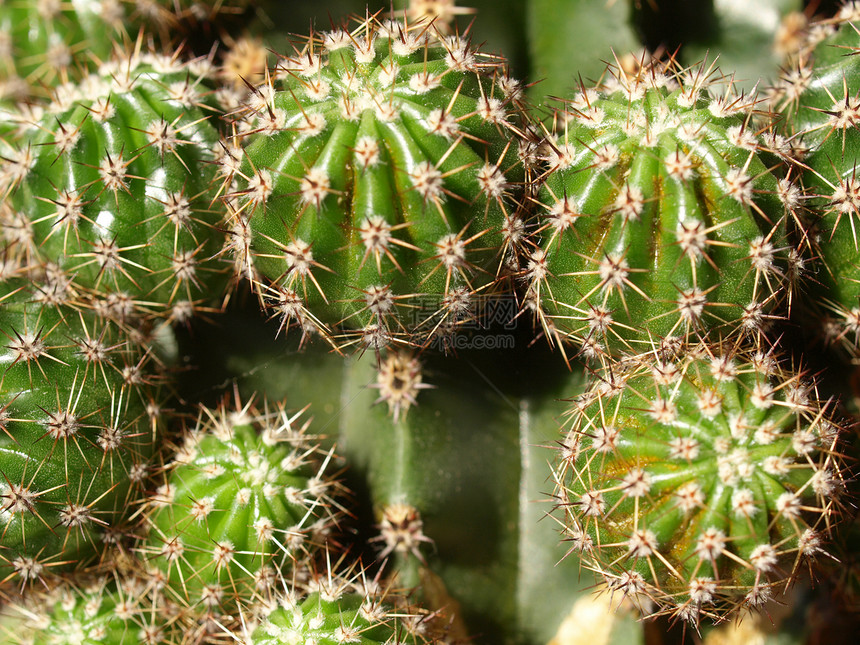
x=699, y=484
x=112, y=184
x=374, y=178
x=79, y=415
x=657, y=217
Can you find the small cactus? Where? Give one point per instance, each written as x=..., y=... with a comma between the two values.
x=333, y=608
x=102, y=612
x=245, y=496
x=657, y=217
x=109, y=183
x=818, y=97
x=374, y=189
x=699, y=485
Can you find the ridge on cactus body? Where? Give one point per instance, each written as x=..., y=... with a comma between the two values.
x=246, y=496
x=699, y=485
x=78, y=420
x=111, y=183
x=656, y=216
x=375, y=187
x=820, y=99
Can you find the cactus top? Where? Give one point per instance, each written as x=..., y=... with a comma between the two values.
x=379, y=165
x=340, y=613
x=657, y=215
x=699, y=484
x=99, y=613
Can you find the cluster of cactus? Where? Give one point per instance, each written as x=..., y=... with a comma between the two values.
x=478, y=296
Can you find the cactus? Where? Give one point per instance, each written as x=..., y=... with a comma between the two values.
x=700, y=485
x=376, y=180
x=45, y=42
x=112, y=183
x=79, y=416
x=657, y=217
x=343, y=609
x=386, y=186
x=818, y=98
x=245, y=496
x=113, y=612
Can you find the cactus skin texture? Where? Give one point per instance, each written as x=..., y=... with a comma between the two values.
x=698, y=487
x=77, y=429
x=245, y=496
x=657, y=217
x=820, y=99
x=375, y=190
x=109, y=183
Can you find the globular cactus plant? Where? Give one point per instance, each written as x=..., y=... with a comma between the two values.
x=102, y=611
x=45, y=42
x=79, y=416
x=818, y=98
x=378, y=186
x=112, y=184
x=657, y=217
x=333, y=607
x=374, y=188
x=245, y=497
x=700, y=484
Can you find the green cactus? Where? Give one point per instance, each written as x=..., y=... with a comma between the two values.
x=79, y=417
x=657, y=217
x=380, y=187
x=353, y=609
x=245, y=496
x=818, y=97
x=46, y=42
x=112, y=183
x=374, y=188
x=104, y=611
x=700, y=485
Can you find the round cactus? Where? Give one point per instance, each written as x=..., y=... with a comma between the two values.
x=336, y=610
x=44, y=42
x=102, y=612
x=245, y=497
x=373, y=191
x=111, y=184
x=818, y=97
x=699, y=484
x=657, y=216
x=77, y=415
